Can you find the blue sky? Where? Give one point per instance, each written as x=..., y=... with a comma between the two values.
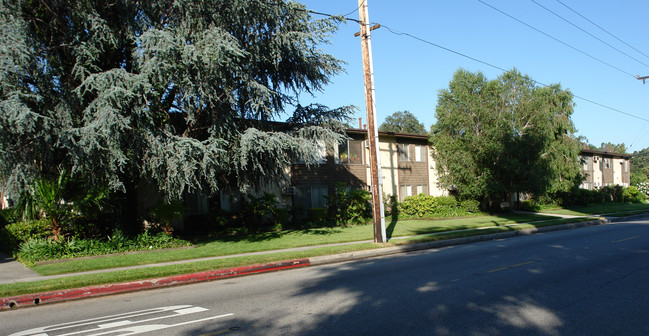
x=409, y=73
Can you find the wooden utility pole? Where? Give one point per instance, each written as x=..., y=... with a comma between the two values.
x=372, y=129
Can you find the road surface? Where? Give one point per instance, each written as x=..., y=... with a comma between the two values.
x=588, y=281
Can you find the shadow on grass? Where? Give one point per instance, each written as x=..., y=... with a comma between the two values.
x=261, y=236
x=496, y=225
x=596, y=209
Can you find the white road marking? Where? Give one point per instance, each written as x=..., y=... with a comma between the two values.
x=153, y=327
x=101, y=324
x=114, y=324
x=625, y=239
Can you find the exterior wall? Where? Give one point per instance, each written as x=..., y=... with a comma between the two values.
x=337, y=167
x=396, y=173
x=413, y=173
x=433, y=177
x=588, y=172
x=389, y=165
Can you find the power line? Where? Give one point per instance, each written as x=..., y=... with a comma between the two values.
x=593, y=36
x=604, y=30
x=441, y=47
x=556, y=39
x=356, y=10
x=331, y=15
x=393, y=31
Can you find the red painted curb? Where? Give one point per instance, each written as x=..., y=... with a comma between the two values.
x=123, y=287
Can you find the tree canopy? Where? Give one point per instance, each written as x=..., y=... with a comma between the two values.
x=605, y=146
x=495, y=137
x=611, y=147
x=640, y=167
x=402, y=122
x=182, y=94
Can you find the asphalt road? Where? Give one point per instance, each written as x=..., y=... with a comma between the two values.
x=588, y=281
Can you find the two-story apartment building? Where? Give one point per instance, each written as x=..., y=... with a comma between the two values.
x=406, y=164
x=407, y=169
x=603, y=168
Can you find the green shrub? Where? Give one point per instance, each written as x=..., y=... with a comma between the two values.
x=7, y=217
x=391, y=207
x=12, y=235
x=349, y=206
x=417, y=206
x=530, y=205
x=38, y=248
x=422, y=206
x=583, y=197
x=262, y=214
x=470, y=205
x=317, y=217
x=632, y=195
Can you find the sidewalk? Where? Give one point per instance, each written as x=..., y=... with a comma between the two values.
x=12, y=271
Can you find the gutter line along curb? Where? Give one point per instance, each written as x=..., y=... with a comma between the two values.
x=176, y=280
x=131, y=286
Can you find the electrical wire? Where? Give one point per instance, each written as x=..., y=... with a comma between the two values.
x=357, y=9
x=639, y=137
x=604, y=30
x=556, y=39
x=591, y=35
x=395, y=32
x=441, y=47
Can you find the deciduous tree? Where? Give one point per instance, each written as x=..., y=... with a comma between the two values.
x=402, y=122
x=496, y=137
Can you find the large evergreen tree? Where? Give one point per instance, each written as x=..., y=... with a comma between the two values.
x=496, y=137
x=178, y=93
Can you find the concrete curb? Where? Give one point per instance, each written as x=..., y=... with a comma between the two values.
x=123, y=287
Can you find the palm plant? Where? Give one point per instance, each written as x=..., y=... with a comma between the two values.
x=61, y=201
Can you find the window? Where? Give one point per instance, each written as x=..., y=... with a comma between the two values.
x=587, y=163
x=404, y=152
x=404, y=191
x=310, y=197
x=607, y=163
x=422, y=189
x=625, y=167
x=420, y=153
x=350, y=152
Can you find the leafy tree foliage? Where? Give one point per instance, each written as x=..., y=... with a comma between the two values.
x=181, y=94
x=611, y=147
x=640, y=167
x=605, y=146
x=402, y=122
x=495, y=137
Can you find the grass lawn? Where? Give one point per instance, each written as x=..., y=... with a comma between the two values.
x=494, y=224
x=597, y=209
x=282, y=240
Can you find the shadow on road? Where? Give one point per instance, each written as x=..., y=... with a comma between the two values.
x=556, y=287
